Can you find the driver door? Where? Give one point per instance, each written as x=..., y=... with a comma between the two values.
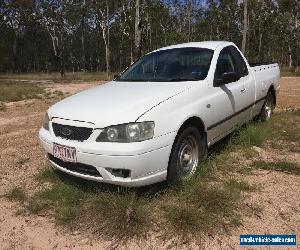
x=229, y=100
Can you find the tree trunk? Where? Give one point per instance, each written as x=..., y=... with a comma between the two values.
x=190, y=9
x=107, y=40
x=137, y=32
x=107, y=51
x=14, y=57
x=290, y=58
x=245, y=28
x=62, y=57
x=82, y=37
x=131, y=54
x=260, y=46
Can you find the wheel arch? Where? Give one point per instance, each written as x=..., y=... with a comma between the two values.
x=272, y=90
x=193, y=121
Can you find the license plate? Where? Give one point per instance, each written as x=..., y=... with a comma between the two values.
x=64, y=153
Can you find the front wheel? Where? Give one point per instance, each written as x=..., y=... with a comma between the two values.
x=268, y=107
x=188, y=151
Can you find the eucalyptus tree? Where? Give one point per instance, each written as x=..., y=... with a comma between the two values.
x=53, y=19
x=245, y=25
x=105, y=16
x=15, y=15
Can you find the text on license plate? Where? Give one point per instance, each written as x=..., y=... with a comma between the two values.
x=64, y=153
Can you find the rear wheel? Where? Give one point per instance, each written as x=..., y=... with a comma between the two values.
x=268, y=107
x=188, y=151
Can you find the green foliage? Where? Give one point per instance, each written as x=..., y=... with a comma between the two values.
x=28, y=46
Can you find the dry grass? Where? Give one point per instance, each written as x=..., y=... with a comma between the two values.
x=200, y=206
x=210, y=201
x=2, y=106
x=17, y=194
x=11, y=91
x=70, y=76
x=284, y=72
x=284, y=166
x=123, y=214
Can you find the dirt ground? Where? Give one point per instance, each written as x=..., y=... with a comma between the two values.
x=21, y=157
x=289, y=92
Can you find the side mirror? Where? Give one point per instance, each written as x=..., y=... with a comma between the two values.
x=227, y=77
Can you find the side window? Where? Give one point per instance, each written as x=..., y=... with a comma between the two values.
x=225, y=63
x=240, y=62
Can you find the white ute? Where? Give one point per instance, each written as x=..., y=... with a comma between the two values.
x=156, y=120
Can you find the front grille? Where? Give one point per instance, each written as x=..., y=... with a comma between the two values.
x=76, y=167
x=71, y=132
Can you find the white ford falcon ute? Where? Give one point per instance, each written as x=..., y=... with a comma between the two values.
x=156, y=120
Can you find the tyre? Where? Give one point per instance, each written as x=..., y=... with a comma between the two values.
x=188, y=151
x=268, y=107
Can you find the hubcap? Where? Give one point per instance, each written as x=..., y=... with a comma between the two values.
x=188, y=156
x=269, y=107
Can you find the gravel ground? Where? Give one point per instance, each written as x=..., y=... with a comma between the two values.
x=21, y=157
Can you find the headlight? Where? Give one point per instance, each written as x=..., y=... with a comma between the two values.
x=46, y=122
x=131, y=132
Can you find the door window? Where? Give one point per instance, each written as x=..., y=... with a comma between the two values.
x=225, y=63
x=240, y=62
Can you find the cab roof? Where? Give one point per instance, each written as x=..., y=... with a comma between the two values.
x=206, y=45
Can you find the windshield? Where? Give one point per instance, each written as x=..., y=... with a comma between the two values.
x=180, y=64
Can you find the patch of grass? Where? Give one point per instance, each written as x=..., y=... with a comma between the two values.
x=256, y=133
x=200, y=206
x=54, y=94
x=17, y=194
x=23, y=160
x=254, y=208
x=185, y=217
x=123, y=214
x=289, y=72
x=58, y=93
x=2, y=106
x=288, y=167
x=13, y=91
x=62, y=199
x=249, y=153
x=64, y=215
x=36, y=205
x=82, y=76
x=284, y=126
x=240, y=185
x=62, y=194
x=47, y=175
x=252, y=134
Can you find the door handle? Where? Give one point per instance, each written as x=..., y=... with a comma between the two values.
x=243, y=90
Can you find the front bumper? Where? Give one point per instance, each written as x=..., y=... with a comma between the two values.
x=147, y=161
